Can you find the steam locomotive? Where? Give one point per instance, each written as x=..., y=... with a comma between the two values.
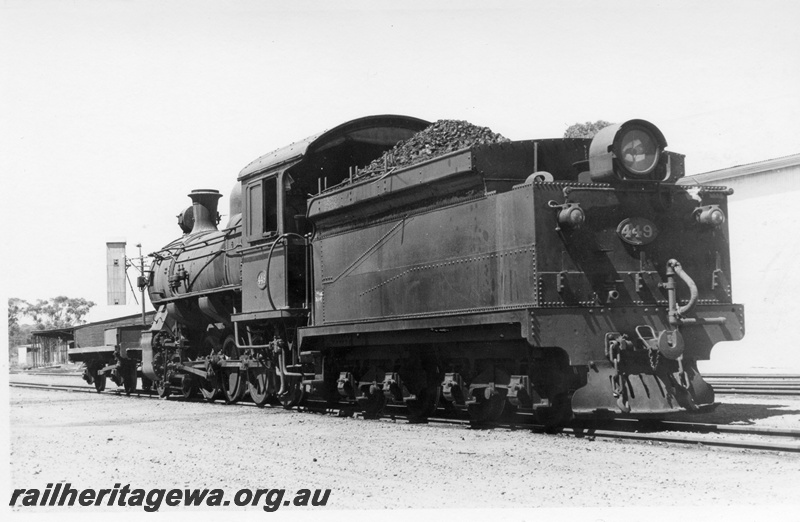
x=558, y=277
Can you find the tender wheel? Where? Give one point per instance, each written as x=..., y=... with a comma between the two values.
x=162, y=388
x=487, y=409
x=260, y=385
x=129, y=378
x=425, y=405
x=232, y=381
x=372, y=403
x=100, y=382
x=556, y=417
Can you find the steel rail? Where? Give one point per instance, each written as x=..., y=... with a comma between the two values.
x=758, y=385
x=751, y=391
x=578, y=432
x=754, y=384
x=80, y=389
x=578, y=429
x=659, y=437
x=70, y=373
x=751, y=376
x=696, y=427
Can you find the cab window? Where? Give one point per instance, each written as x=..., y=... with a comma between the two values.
x=262, y=209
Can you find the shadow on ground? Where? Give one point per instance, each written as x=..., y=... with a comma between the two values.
x=740, y=412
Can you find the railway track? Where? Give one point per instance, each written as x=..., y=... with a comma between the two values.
x=750, y=384
x=724, y=384
x=651, y=431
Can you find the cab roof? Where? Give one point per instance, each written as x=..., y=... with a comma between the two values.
x=381, y=130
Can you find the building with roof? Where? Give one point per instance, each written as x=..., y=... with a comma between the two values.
x=765, y=247
x=48, y=348
x=58, y=345
x=91, y=339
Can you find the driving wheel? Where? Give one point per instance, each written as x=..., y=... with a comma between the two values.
x=260, y=385
x=232, y=380
x=188, y=387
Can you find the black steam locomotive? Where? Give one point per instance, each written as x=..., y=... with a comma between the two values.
x=557, y=276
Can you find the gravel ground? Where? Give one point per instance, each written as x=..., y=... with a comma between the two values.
x=97, y=440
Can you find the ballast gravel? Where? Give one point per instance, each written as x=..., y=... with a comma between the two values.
x=96, y=440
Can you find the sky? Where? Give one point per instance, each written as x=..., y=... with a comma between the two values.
x=112, y=111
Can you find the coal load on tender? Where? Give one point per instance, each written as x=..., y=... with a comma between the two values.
x=439, y=138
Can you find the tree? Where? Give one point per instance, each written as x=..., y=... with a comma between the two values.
x=59, y=312
x=16, y=308
x=585, y=130
x=23, y=334
x=17, y=333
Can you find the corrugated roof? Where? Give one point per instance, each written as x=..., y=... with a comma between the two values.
x=55, y=332
x=70, y=330
x=132, y=318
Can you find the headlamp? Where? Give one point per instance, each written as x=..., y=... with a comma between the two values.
x=631, y=150
x=638, y=152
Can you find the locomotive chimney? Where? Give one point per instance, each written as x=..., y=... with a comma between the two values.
x=204, y=207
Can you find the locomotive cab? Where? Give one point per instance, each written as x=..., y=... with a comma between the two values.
x=273, y=254
x=276, y=186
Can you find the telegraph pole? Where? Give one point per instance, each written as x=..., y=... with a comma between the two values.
x=140, y=280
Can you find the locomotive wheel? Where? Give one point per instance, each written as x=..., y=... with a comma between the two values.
x=147, y=384
x=232, y=381
x=260, y=385
x=233, y=385
x=129, y=378
x=372, y=403
x=294, y=396
x=188, y=387
x=100, y=382
x=162, y=388
x=486, y=409
x=210, y=389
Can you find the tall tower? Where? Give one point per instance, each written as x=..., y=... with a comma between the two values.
x=115, y=272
